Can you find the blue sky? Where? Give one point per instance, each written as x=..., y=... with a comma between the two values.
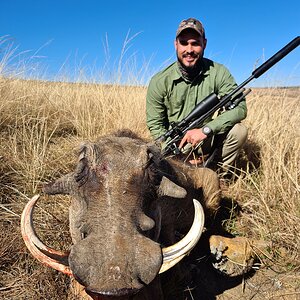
x=57, y=39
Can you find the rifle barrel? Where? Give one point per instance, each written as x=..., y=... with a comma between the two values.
x=264, y=67
x=277, y=57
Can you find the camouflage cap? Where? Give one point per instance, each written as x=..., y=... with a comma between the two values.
x=191, y=23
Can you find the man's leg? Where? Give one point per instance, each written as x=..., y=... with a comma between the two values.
x=230, y=144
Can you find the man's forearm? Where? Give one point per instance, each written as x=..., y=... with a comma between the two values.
x=228, y=119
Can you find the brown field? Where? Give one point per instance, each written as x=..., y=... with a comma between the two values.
x=41, y=123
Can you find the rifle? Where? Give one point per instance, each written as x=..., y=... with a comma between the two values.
x=209, y=105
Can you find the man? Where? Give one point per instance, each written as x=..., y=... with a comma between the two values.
x=175, y=91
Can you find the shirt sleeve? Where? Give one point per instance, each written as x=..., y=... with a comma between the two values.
x=228, y=118
x=156, y=112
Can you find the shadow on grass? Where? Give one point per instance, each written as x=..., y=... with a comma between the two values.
x=249, y=160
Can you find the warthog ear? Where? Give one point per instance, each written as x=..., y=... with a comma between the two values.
x=86, y=159
x=171, y=189
x=63, y=185
x=68, y=183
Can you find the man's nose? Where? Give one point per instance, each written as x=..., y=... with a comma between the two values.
x=189, y=48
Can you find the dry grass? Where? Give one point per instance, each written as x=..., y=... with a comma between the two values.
x=42, y=122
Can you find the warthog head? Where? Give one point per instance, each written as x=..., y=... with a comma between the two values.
x=115, y=218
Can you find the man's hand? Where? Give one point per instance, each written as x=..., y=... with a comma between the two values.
x=193, y=136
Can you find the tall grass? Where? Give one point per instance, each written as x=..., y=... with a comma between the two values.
x=41, y=123
x=270, y=194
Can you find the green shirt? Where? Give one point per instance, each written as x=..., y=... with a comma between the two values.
x=170, y=98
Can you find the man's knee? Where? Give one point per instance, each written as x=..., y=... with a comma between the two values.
x=237, y=135
x=233, y=143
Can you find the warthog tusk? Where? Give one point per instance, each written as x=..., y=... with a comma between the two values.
x=58, y=260
x=174, y=253
x=46, y=255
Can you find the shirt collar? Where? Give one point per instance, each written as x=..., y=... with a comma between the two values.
x=177, y=74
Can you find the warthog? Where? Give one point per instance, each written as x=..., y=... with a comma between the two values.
x=129, y=205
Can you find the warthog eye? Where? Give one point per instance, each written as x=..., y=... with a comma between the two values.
x=84, y=231
x=83, y=235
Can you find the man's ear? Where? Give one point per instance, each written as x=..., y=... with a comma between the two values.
x=204, y=43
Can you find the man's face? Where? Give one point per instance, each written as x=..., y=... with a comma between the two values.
x=189, y=48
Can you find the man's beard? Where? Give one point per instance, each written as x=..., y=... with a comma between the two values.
x=190, y=72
